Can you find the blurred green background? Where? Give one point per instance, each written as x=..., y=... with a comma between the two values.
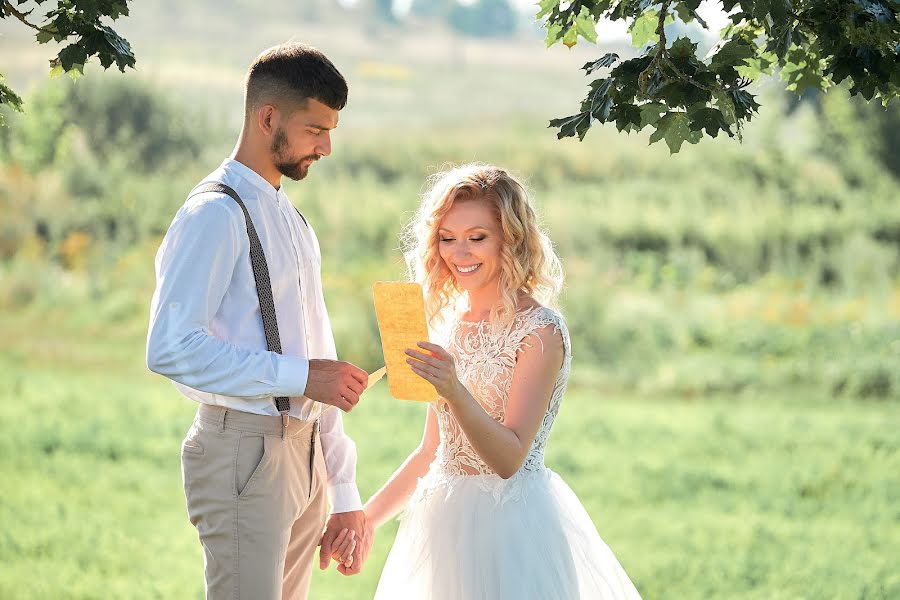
x=733, y=424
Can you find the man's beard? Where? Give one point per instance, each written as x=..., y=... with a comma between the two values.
x=293, y=167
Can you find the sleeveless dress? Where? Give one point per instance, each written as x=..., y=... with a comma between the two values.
x=467, y=533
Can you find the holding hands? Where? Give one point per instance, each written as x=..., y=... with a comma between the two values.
x=438, y=368
x=347, y=539
x=341, y=549
x=348, y=536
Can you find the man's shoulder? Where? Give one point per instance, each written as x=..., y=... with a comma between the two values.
x=210, y=211
x=210, y=205
x=200, y=201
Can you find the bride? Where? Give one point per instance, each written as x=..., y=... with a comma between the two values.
x=484, y=518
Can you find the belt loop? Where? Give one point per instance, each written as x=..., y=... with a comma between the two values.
x=221, y=419
x=284, y=424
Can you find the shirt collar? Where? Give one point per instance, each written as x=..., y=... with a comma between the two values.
x=250, y=176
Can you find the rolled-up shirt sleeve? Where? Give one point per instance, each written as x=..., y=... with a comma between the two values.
x=194, y=267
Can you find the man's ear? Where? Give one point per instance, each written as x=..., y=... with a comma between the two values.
x=267, y=119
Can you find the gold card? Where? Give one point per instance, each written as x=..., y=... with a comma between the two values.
x=400, y=310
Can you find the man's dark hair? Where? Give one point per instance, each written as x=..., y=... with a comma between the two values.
x=289, y=74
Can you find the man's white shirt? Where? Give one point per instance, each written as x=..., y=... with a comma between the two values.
x=206, y=331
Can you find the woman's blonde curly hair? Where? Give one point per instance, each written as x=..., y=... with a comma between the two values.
x=529, y=264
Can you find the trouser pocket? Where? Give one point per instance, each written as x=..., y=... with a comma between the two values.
x=250, y=461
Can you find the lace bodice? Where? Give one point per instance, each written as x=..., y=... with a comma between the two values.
x=485, y=360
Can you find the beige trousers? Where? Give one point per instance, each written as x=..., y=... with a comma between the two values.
x=258, y=505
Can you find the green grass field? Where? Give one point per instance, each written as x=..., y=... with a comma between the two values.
x=787, y=496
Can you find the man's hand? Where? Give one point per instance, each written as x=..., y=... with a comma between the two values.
x=354, y=521
x=335, y=382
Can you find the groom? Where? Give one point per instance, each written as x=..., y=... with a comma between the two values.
x=250, y=340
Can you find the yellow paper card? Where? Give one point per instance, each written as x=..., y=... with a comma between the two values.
x=400, y=310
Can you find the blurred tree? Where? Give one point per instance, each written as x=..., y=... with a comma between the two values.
x=120, y=120
x=431, y=9
x=854, y=132
x=384, y=11
x=815, y=44
x=375, y=13
x=105, y=156
x=483, y=18
x=79, y=20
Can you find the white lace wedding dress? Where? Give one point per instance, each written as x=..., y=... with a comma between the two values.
x=468, y=534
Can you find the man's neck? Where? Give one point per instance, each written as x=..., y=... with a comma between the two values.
x=258, y=162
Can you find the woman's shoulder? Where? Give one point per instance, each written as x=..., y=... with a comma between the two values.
x=541, y=327
x=535, y=313
x=538, y=320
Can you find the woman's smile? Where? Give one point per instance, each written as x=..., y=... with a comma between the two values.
x=467, y=270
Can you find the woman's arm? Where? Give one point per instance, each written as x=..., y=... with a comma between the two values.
x=392, y=497
x=502, y=446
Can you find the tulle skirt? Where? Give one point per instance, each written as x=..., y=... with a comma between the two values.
x=484, y=538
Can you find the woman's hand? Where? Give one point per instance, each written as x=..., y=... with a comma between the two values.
x=344, y=545
x=438, y=368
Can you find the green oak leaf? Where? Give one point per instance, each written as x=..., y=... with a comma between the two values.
x=813, y=45
x=643, y=30
x=71, y=55
x=606, y=60
x=118, y=8
x=571, y=37
x=554, y=31
x=708, y=119
x=8, y=98
x=570, y=126
x=726, y=106
x=546, y=7
x=121, y=48
x=76, y=72
x=586, y=26
x=600, y=7
x=602, y=108
x=687, y=14
x=744, y=104
x=759, y=9
x=880, y=12
x=762, y=64
x=674, y=128
x=800, y=77
x=597, y=96
x=733, y=53
x=628, y=118
x=683, y=47
x=781, y=41
x=80, y=22
x=651, y=112
x=804, y=70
